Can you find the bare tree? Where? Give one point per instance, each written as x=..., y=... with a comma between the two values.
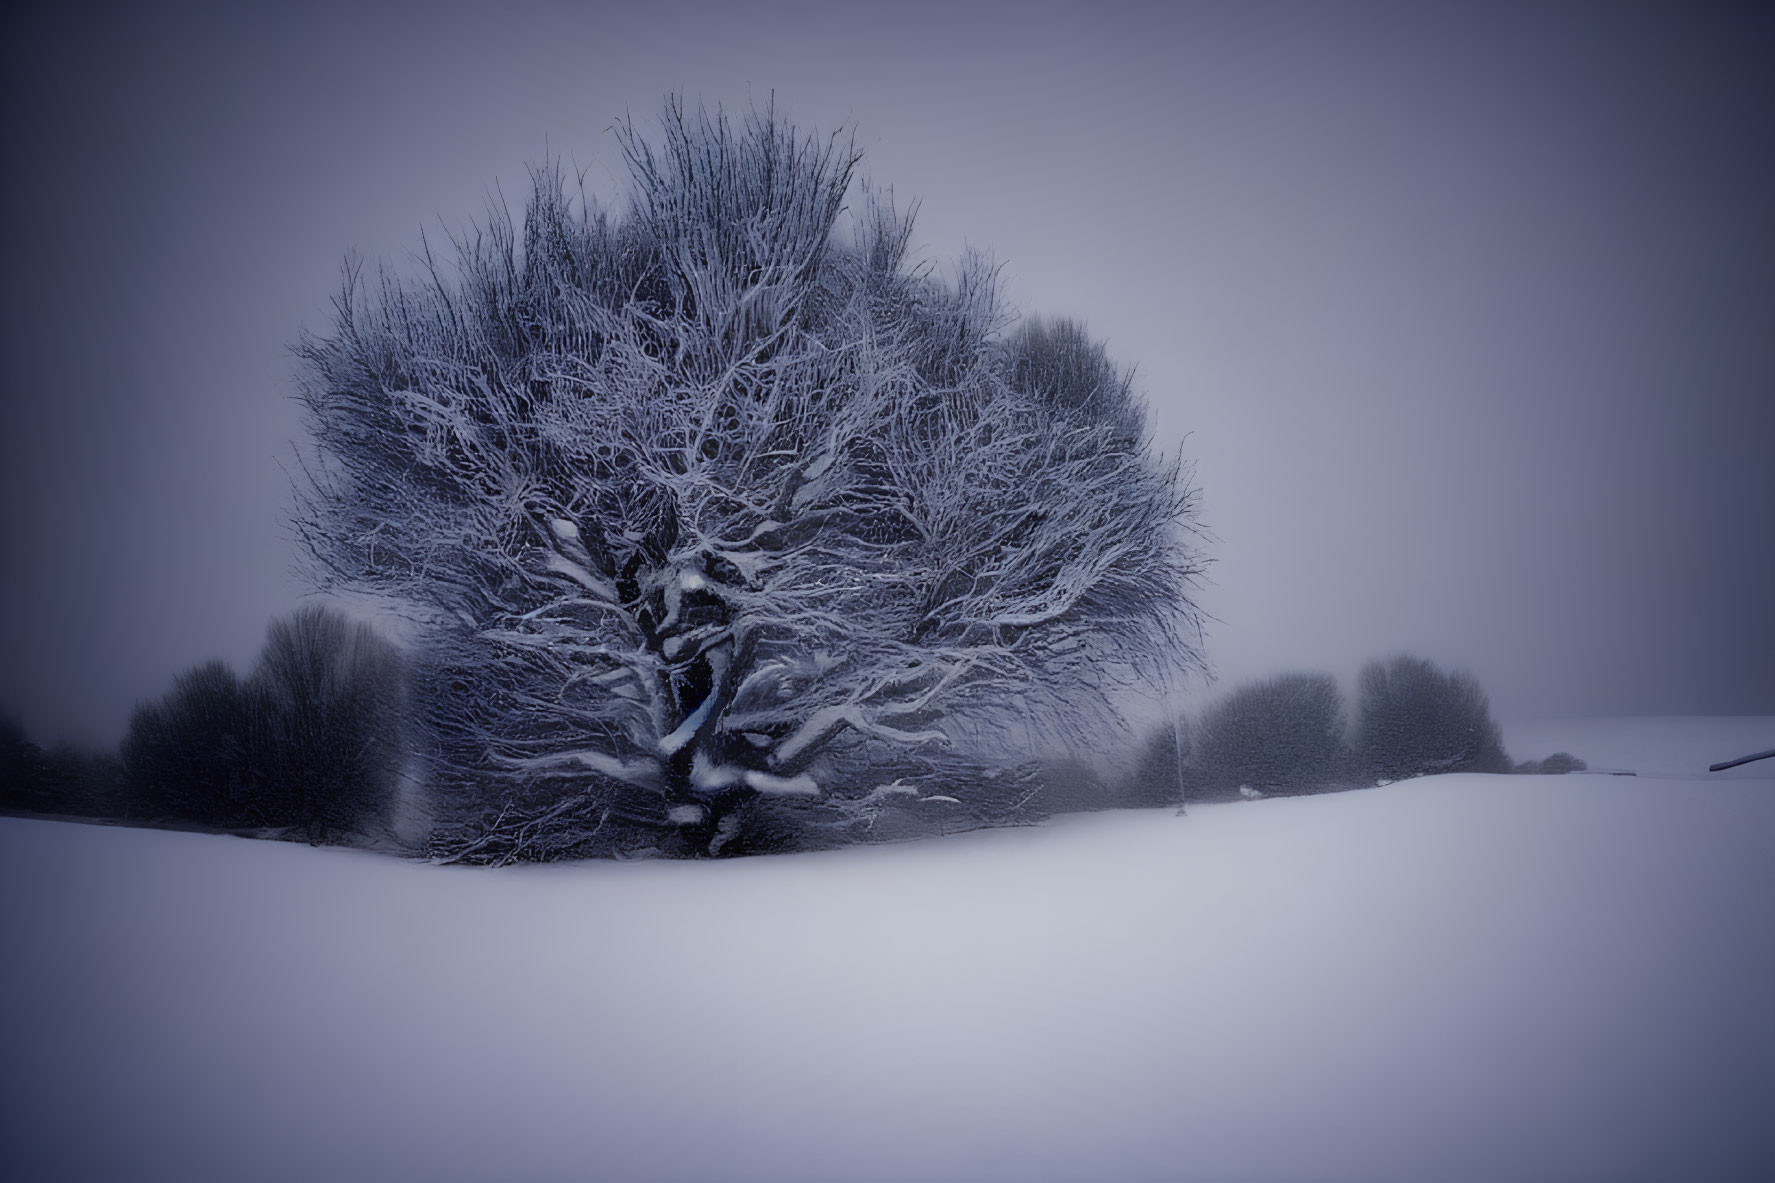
x=312, y=742
x=327, y=701
x=189, y=755
x=705, y=503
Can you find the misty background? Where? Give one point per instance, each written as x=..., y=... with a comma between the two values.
x=1466, y=314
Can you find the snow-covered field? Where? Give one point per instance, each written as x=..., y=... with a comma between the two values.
x=1462, y=977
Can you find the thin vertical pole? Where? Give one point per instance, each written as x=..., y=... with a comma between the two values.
x=1177, y=751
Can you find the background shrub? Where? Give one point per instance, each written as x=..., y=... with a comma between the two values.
x=313, y=742
x=188, y=757
x=22, y=769
x=64, y=780
x=1281, y=735
x=1557, y=763
x=1414, y=720
x=328, y=705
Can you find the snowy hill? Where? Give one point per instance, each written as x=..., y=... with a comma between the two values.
x=1461, y=977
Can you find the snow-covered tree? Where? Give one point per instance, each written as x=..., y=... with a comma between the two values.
x=710, y=500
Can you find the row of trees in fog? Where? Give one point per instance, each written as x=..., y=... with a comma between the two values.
x=312, y=743
x=1292, y=734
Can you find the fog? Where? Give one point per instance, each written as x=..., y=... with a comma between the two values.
x=1466, y=315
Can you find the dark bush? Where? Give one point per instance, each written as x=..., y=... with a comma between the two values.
x=1557, y=763
x=1415, y=720
x=188, y=757
x=1282, y=735
x=82, y=782
x=65, y=780
x=328, y=705
x=22, y=770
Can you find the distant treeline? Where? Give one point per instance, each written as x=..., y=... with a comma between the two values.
x=1291, y=734
x=316, y=742
x=311, y=744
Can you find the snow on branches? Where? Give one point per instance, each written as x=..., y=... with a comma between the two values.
x=700, y=502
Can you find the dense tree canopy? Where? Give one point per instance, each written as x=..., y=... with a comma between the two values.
x=711, y=501
x=1282, y=734
x=1414, y=719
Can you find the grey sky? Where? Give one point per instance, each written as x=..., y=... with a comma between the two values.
x=1469, y=310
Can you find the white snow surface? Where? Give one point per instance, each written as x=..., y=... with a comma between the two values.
x=1457, y=977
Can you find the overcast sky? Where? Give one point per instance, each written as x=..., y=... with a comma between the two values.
x=1465, y=313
